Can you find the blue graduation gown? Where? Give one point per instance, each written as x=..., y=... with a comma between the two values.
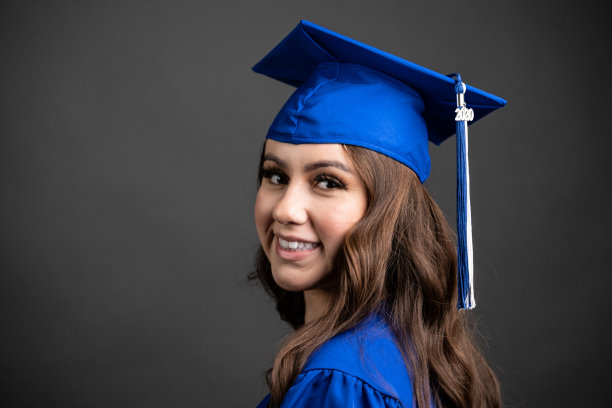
x=360, y=368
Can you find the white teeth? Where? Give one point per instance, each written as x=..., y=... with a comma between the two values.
x=295, y=245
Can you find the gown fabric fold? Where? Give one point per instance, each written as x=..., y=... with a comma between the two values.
x=360, y=368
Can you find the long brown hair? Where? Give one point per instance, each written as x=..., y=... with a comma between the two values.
x=399, y=261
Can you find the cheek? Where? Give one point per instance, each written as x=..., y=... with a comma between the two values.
x=263, y=215
x=337, y=222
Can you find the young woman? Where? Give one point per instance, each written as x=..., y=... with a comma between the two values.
x=358, y=257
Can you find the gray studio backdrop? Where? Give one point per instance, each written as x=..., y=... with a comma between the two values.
x=130, y=133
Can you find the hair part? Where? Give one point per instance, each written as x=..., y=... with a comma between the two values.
x=399, y=260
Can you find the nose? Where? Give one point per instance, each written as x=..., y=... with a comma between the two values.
x=291, y=207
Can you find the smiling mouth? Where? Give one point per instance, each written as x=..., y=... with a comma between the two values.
x=296, y=245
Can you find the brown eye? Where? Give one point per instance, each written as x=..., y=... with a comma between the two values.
x=325, y=182
x=274, y=176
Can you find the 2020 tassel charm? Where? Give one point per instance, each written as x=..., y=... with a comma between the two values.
x=465, y=252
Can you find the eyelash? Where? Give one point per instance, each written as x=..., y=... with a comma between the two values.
x=330, y=179
x=268, y=173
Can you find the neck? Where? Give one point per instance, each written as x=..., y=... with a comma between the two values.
x=316, y=302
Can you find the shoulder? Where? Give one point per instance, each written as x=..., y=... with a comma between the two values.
x=363, y=364
x=332, y=388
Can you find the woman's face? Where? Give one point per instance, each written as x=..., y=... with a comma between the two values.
x=310, y=197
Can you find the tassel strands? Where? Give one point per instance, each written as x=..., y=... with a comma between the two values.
x=465, y=263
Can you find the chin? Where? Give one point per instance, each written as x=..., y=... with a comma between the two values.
x=293, y=281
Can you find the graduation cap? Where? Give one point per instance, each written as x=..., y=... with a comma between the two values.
x=351, y=93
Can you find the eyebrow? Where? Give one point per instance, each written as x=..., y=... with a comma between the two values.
x=327, y=163
x=275, y=159
x=310, y=166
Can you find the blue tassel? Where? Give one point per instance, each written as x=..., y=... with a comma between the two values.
x=465, y=264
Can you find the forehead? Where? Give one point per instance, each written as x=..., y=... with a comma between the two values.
x=301, y=153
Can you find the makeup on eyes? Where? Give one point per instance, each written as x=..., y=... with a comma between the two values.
x=325, y=177
x=268, y=172
x=334, y=182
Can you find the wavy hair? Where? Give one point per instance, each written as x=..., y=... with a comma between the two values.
x=399, y=261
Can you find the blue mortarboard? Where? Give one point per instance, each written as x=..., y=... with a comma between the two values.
x=351, y=93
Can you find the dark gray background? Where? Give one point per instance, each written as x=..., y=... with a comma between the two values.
x=130, y=136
